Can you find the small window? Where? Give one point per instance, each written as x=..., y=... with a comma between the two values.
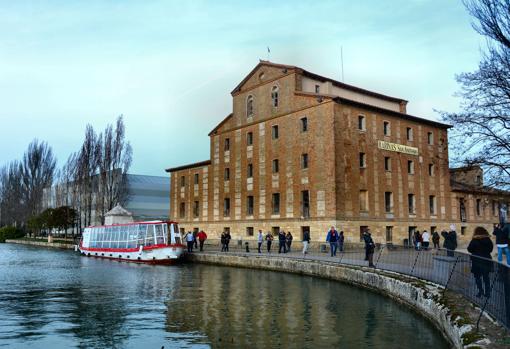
x=304, y=161
x=182, y=210
x=389, y=234
x=249, y=205
x=196, y=178
x=387, y=163
x=276, y=203
x=361, y=123
x=227, y=144
x=410, y=167
x=249, y=231
x=432, y=204
x=196, y=208
x=275, y=230
x=409, y=134
x=275, y=167
x=363, y=200
x=462, y=230
x=430, y=138
x=249, y=106
x=478, y=207
x=304, y=124
x=411, y=203
x=249, y=138
x=226, y=207
x=386, y=128
x=388, y=201
x=274, y=96
x=274, y=132
x=362, y=160
x=494, y=208
x=227, y=174
x=479, y=180
x=183, y=181
x=249, y=173
x=305, y=204
x=431, y=169
x=317, y=88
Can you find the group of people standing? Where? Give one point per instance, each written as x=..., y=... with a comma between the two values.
x=193, y=239
x=284, y=241
x=336, y=240
x=421, y=241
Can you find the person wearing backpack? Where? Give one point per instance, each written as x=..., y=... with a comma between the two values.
x=450, y=241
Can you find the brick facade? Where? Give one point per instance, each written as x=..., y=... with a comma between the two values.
x=297, y=163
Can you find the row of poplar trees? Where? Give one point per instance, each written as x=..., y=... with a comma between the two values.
x=91, y=182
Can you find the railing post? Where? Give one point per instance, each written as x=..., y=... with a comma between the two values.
x=451, y=274
x=415, y=260
x=378, y=257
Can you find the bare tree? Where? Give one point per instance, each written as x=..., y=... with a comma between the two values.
x=37, y=173
x=482, y=129
x=115, y=160
x=11, y=204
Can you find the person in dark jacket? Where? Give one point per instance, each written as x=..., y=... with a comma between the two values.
x=480, y=248
x=435, y=239
x=269, y=241
x=228, y=237
x=282, y=242
x=306, y=241
x=341, y=239
x=332, y=238
x=369, y=248
x=450, y=241
x=289, y=239
x=417, y=240
x=501, y=233
x=222, y=240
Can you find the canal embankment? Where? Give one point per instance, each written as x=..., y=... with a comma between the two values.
x=452, y=314
x=41, y=243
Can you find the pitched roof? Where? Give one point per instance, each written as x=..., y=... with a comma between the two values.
x=478, y=189
x=317, y=77
x=222, y=122
x=185, y=167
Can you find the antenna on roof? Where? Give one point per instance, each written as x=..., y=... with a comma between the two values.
x=342, y=61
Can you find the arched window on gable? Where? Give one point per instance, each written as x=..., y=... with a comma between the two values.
x=274, y=96
x=249, y=106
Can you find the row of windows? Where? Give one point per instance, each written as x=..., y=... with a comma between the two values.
x=387, y=164
x=387, y=130
x=275, y=168
x=274, y=134
x=388, y=202
x=275, y=94
x=250, y=204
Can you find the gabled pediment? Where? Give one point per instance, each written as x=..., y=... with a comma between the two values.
x=263, y=72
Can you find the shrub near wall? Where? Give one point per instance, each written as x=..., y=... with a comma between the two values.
x=10, y=233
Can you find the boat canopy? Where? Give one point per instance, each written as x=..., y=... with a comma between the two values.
x=131, y=235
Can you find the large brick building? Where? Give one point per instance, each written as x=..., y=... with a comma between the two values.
x=303, y=152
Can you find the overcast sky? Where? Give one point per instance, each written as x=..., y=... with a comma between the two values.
x=169, y=66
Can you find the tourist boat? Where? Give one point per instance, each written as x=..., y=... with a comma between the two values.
x=156, y=242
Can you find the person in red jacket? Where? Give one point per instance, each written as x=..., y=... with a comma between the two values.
x=202, y=236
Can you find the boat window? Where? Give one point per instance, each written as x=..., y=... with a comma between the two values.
x=165, y=233
x=141, y=234
x=108, y=238
x=133, y=236
x=160, y=239
x=149, y=239
x=176, y=235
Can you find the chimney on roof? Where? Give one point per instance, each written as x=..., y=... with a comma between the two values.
x=403, y=107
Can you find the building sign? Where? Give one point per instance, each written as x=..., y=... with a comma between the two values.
x=399, y=148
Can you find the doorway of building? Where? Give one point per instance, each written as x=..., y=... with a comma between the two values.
x=409, y=240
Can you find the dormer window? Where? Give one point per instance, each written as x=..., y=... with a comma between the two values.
x=274, y=96
x=317, y=88
x=249, y=106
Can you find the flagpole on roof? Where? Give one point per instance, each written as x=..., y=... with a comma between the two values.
x=268, y=52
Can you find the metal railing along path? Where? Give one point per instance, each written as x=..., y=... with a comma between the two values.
x=450, y=269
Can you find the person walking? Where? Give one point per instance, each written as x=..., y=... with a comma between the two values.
x=501, y=243
x=222, y=240
x=289, y=239
x=332, y=238
x=195, y=233
x=306, y=241
x=260, y=240
x=480, y=248
x=450, y=241
x=369, y=248
x=417, y=240
x=269, y=241
x=228, y=237
x=189, y=241
x=202, y=236
x=341, y=239
x=435, y=239
x=425, y=237
x=282, y=242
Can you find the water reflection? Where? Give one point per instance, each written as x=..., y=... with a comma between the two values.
x=58, y=299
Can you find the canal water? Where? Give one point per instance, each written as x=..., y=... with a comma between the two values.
x=57, y=299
